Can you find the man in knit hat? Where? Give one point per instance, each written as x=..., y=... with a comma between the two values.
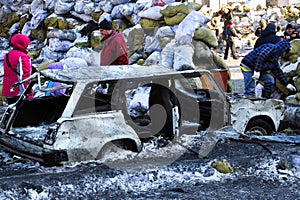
x=114, y=49
x=290, y=33
x=256, y=64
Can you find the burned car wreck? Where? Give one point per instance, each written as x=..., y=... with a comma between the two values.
x=95, y=111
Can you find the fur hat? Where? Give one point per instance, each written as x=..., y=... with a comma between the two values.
x=105, y=24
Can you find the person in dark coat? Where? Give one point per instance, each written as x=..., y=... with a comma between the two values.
x=226, y=16
x=290, y=33
x=260, y=60
x=261, y=27
x=268, y=35
x=228, y=35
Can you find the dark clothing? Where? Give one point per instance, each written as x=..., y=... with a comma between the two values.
x=265, y=58
x=226, y=18
x=228, y=34
x=258, y=31
x=292, y=36
x=114, y=50
x=267, y=36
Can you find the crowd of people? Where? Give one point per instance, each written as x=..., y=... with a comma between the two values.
x=260, y=67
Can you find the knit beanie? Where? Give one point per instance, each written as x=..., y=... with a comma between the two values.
x=289, y=26
x=105, y=24
x=271, y=26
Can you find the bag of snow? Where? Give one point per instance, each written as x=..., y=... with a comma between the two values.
x=127, y=9
x=74, y=62
x=152, y=13
x=84, y=53
x=106, y=6
x=165, y=31
x=62, y=34
x=142, y=5
x=56, y=44
x=183, y=57
x=116, y=12
x=62, y=7
x=187, y=27
x=167, y=55
x=153, y=59
x=151, y=44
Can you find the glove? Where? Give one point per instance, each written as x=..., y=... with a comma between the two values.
x=291, y=87
x=256, y=75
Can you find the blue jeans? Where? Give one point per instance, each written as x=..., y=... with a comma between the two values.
x=249, y=83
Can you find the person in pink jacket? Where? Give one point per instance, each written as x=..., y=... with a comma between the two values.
x=17, y=67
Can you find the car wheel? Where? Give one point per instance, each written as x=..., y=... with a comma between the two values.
x=259, y=127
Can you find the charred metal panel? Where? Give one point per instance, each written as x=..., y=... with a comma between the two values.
x=242, y=110
x=83, y=137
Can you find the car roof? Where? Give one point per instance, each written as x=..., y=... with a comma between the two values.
x=110, y=73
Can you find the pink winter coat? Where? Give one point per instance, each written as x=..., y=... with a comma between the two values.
x=20, y=66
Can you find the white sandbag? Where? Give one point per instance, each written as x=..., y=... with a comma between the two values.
x=79, y=6
x=66, y=34
x=167, y=55
x=14, y=28
x=49, y=4
x=152, y=13
x=106, y=6
x=151, y=44
x=134, y=57
x=116, y=12
x=153, y=59
x=141, y=5
x=290, y=68
x=26, y=29
x=56, y=44
x=36, y=5
x=183, y=57
x=127, y=9
x=185, y=31
x=106, y=16
x=88, y=8
x=47, y=54
x=90, y=56
x=119, y=2
x=37, y=18
x=83, y=17
x=62, y=7
x=165, y=31
x=74, y=62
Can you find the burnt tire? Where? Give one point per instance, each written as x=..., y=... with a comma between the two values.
x=259, y=127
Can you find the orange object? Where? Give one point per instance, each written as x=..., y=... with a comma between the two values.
x=220, y=76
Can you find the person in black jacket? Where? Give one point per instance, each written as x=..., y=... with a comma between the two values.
x=268, y=35
x=261, y=27
x=228, y=35
x=290, y=33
